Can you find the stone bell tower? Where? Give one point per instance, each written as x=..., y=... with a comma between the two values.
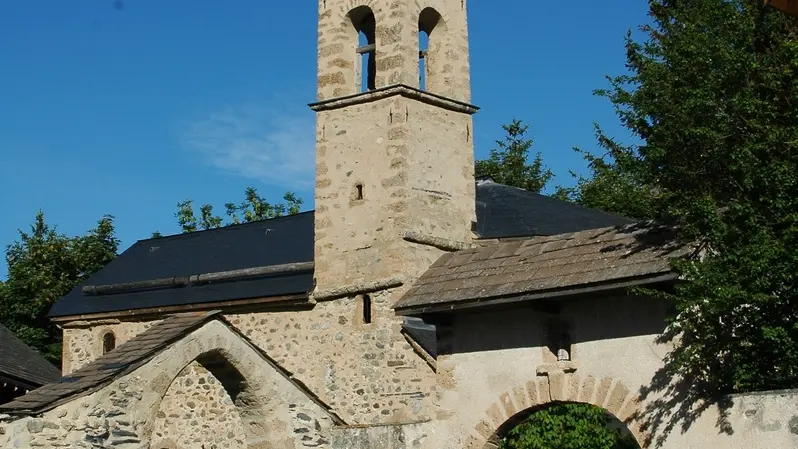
x=394, y=151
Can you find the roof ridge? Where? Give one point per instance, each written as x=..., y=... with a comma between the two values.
x=230, y=227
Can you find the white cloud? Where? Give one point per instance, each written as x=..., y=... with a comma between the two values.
x=274, y=147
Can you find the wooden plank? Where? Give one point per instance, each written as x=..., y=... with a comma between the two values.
x=287, y=300
x=179, y=281
x=366, y=49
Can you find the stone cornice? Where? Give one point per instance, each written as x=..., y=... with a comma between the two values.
x=393, y=90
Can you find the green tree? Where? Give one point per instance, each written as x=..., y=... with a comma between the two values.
x=253, y=208
x=711, y=93
x=567, y=426
x=508, y=164
x=43, y=266
x=614, y=184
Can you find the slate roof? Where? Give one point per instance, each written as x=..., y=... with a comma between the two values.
x=505, y=211
x=125, y=358
x=22, y=365
x=544, y=266
x=502, y=211
x=270, y=242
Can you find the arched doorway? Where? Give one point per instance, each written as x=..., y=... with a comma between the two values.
x=618, y=407
x=564, y=425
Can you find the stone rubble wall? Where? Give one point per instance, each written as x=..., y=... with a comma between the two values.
x=197, y=409
x=83, y=340
x=367, y=373
x=274, y=412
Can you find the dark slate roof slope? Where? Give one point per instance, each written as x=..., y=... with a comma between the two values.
x=277, y=241
x=546, y=266
x=125, y=358
x=21, y=364
x=504, y=211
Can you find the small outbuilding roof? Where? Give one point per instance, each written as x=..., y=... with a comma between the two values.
x=21, y=365
x=124, y=359
x=543, y=267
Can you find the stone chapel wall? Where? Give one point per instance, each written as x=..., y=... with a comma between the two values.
x=368, y=373
x=152, y=406
x=197, y=409
x=83, y=340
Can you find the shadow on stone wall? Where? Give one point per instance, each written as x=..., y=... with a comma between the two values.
x=675, y=400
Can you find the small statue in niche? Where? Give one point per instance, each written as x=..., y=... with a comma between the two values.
x=560, y=341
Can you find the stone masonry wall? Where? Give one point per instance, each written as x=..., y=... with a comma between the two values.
x=83, y=340
x=197, y=410
x=397, y=46
x=129, y=412
x=414, y=165
x=368, y=373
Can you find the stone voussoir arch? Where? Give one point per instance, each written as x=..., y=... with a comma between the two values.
x=345, y=8
x=436, y=5
x=265, y=394
x=605, y=392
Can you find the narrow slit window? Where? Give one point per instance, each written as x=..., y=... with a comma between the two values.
x=366, y=309
x=359, y=191
x=109, y=342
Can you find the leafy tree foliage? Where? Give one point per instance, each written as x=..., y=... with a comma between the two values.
x=253, y=208
x=508, y=164
x=711, y=91
x=567, y=426
x=44, y=265
x=615, y=183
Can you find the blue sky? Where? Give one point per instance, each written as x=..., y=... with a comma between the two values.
x=128, y=107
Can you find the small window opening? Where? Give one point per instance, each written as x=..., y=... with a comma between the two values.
x=109, y=342
x=359, y=191
x=365, y=24
x=559, y=341
x=423, y=45
x=428, y=20
x=366, y=309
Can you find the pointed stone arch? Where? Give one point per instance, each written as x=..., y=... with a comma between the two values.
x=274, y=409
x=510, y=407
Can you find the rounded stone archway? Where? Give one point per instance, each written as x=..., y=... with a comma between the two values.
x=513, y=406
x=537, y=421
